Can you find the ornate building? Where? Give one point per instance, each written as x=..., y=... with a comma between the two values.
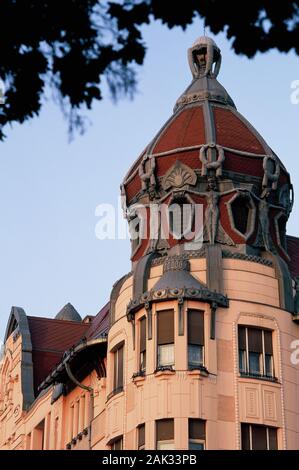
x=195, y=348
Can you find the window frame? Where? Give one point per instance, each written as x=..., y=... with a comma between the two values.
x=160, y=345
x=194, y=366
x=142, y=352
x=267, y=429
x=117, y=387
x=117, y=440
x=169, y=440
x=246, y=371
x=201, y=436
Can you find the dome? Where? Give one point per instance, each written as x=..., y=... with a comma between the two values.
x=207, y=138
x=68, y=313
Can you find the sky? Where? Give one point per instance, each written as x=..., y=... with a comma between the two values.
x=50, y=188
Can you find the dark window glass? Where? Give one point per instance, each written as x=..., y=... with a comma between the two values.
x=197, y=434
x=119, y=369
x=257, y=437
x=256, y=352
x=141, y=437
x=117, y=444
x=240, y=209
x=143, y=344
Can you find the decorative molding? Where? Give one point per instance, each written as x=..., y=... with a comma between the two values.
x=178, y=176
x=271, y=177
x=244, y=257
x=207, y=163
x=202, y=295
x=251, y=214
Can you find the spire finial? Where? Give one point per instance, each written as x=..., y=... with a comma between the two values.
x=204, y=58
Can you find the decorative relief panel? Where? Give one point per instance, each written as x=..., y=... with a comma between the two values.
x=251, y=402
x=270, y=407
x=260, y=403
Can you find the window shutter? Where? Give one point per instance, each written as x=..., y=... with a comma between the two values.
x=242, y=338
x=245, y=436
x=142, y=334
x=197, y=429
x=165, y=430
x=141, y=435
x=165, y=327
x=268, y=342
x=273, y=439
x=259, y=438
x=255, y=343
x=196, y=327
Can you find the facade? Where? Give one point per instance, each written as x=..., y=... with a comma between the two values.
x=195, y=348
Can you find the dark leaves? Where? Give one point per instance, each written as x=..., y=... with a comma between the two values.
x=72, y=45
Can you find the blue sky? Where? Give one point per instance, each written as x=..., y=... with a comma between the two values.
x=50, y=188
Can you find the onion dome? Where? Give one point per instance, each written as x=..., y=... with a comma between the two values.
x=208, y=154
x=68, y=313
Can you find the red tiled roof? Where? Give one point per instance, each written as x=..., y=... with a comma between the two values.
x=293, y=251
x=100, y=324
x=50, y=339
x=185, y=130
x=232, y=132
x=48, y=334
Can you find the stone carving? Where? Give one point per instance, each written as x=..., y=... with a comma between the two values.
x=147, y=174
x=264, y=238
x=212, y=211
x=176, y=263
x=211, y=165
x=264, y=219
x=204, y=295
x=204, y=58
x=178, y=176
x=213, y=231
x=271, y=163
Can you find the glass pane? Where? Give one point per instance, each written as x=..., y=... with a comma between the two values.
x=254, y=363
x=117, y=445
x=259, y=437
x=166, y=355
x=242, y=361
x=165, y=445
x=193, y=445
x=195, y=355
x=269, y=365
x=142, y=361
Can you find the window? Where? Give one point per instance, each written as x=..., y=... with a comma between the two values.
x=165, y=338
x=195, y=339
x=240, y=210
x=180, y=218
x=165, y=434
x=256, y=437
x=118, y=370
x=197, y=434
x=141, y=437
x=142, y=338
x=38, y=436
x=117, y=444
x=135, y=228
x=256, y=352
